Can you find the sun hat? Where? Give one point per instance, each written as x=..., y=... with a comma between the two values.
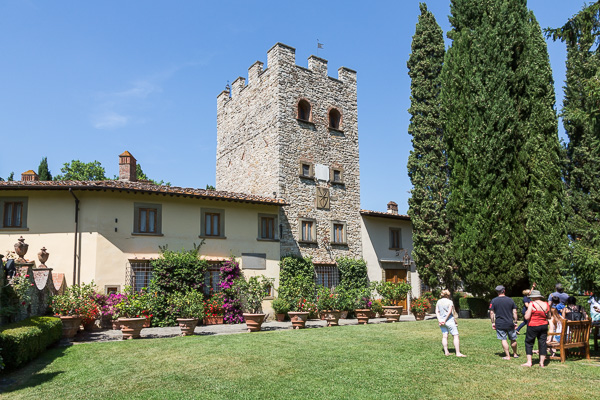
x=535, y=294
x=500, y=288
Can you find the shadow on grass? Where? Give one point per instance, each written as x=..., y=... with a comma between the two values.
x=29, y=375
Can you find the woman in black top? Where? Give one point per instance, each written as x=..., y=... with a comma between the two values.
x=573, y=312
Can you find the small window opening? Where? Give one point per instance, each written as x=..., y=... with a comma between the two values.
x=304, y=110
x=334, y=118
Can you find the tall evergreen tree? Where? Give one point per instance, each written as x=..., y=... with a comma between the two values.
x=581, y=118
x=427, y=164
x=43, y=171
x=500, y=130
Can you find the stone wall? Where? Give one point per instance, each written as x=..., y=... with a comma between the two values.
x=261, y=143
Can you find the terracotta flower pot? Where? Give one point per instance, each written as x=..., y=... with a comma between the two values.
x=280, y=317
x=90, y=326
x=392, y=313
x=70, y=325
x=332, y=317
x=343, y=314
x=213, y=320
x=419, y=316
x=147, y=322
x=254, y=321
x=187, y=325
x=116, y=325
x=131, y=327
x=298, y=319
x=363, y=316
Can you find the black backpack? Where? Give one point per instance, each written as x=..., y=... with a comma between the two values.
x=575, y=315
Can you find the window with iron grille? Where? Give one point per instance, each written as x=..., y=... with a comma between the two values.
x=140, y=274
x=327, y=275
x=212, y=278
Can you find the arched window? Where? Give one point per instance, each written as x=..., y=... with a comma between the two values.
x=335, y=118
x=304, y=110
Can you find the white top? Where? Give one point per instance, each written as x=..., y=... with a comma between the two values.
x=443, y=306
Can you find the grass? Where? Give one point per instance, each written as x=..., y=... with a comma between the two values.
x=384, y=361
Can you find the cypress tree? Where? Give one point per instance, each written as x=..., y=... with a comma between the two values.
x=427, y=165
x=581, y=120
x=505, y=203
x=43, y=171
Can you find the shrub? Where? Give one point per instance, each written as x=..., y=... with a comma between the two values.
x=213, y=307
x=189, y=304
x=346, y=298
x=23, y=341
x=280, y=306
x=252, y=292
x=431, y=297
x=232, y=303
x=391, y=292
x=478, y=306
x=377, y=306
x=298, y=288
x=419, y=305
x=363, y=299
x=353, y=273
x=77, y=300
x=328, y=299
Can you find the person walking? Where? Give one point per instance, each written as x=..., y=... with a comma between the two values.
x=503, y=313
x=537, y=314
x=526, y=302
x=445, y=316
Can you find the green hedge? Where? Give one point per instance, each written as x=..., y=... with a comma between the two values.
x=478, y=306
x=22, y=341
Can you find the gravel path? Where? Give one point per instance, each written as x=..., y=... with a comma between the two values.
x=172, y=331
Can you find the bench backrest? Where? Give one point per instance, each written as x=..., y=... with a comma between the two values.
x=575, y=332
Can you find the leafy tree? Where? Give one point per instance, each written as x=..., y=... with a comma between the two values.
x=141, y=176
x=500, y=131
x=353, y=273
x=210, y=187
x=43, y=171
x=581, y=118
x=427, y=163
x=80, y=171
x=11, y=177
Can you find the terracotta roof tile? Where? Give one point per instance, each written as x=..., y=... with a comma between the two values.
x=139, y=187
x=125, y=154
x=384, y=215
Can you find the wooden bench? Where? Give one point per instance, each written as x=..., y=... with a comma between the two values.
x=574, y=335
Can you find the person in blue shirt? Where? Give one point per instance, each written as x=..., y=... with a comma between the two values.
x=560, y=293
x=526, y=301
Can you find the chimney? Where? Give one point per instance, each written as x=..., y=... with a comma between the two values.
x=392, y=208
x=29, y=176
x=127, y=167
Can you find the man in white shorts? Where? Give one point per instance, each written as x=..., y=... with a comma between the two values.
x=443, y=311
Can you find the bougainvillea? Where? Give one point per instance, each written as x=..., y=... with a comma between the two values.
x=232, y=305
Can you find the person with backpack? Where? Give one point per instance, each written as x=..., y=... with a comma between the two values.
x=537, y=314
x=573, y=312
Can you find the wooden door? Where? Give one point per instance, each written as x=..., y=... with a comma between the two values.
x=396, y=276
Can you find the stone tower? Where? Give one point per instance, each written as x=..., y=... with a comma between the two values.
x=292, y=132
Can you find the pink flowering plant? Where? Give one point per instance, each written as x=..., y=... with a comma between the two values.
x=363, y=299
x=232, y=303
x=77, y=300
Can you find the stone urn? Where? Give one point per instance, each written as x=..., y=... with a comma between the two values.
x=70, y=325
x=343, y=314
x=280, y=317
x=392, y=313
x=298, y=319
x=254, y=321
x=218, y=320
x=187, y=325
x=332, y=317
x=116, y=325
x=363, y=316
x=131, y=327
x=43, y=257
x=419, y=316
x=21, y=249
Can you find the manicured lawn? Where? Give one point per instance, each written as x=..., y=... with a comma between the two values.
x=385, y=361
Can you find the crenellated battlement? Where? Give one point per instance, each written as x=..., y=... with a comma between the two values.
x=282, y=57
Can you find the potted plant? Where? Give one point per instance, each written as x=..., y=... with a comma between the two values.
x=68, y=307
x=300, y=312
x=346, y=298
x=329, y=303
x=146, y=304
x=376, y=308
x=252, y=292
x=281, y=308
x=190, y=308
x=363, y=305
x=213, y=310
x=432, y=299
x=391, y=294
x=418, y=307
x=129, y=311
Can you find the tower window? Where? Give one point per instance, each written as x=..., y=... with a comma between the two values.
x=304, y=110
x=335, y=118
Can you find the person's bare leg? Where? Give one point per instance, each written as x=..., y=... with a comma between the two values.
x=542, y=359
x=457, y=347
x=505, y=347
x=514, y=349
x=528, y=363
x=445, y=343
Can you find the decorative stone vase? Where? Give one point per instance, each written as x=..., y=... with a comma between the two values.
x=254, y=321
x=90, y=326
x=131, y=327
x=419, y=316
x=332, y=317
x=392, y=313
x=21, y=249
x=43, y=257
x=298, y=319
x=280, y=317
x=213, y=320
x=116, y=325
x=187, y=325
x=343, y=314
x=363, y=316
x=70, y=325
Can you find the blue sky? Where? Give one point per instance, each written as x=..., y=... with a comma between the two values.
x=88, y=80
